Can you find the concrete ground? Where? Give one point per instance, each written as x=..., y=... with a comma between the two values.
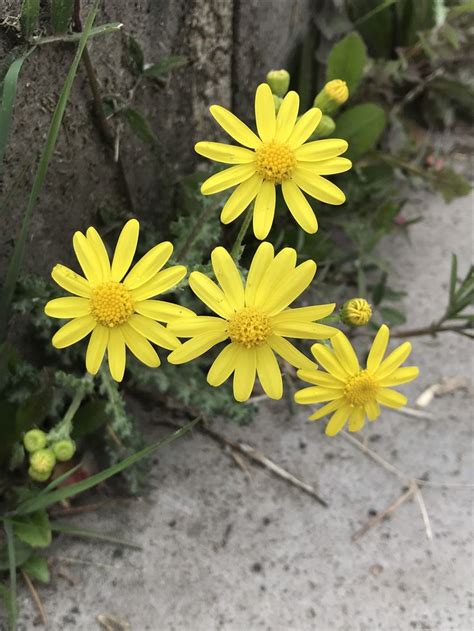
x=221, y=552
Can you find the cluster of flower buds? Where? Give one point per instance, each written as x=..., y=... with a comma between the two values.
x=44, y=453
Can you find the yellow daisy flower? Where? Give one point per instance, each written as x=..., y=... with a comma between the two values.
x=115, y=306
x=277, y=156
x=354, y=393
x=255, y=318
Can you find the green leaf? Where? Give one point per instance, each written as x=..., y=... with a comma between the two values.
x=61, y=14
x=139, y=125
x=362, y=127
x=347, y=61
x=136, y=57
x=93, y=534
x=29, y=17
x=12, y=563
x=33, y=529
x=450, y=184
x=37, y=567
x=18, y=253
x=374, y=21
x=47, y=499
x=22, y=553
x=453, y=278
x=392, y=316
x=35, y=409
x=164, y=67
x=89, y=418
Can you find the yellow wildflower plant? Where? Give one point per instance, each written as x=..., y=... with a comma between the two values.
x=114, y=304
x=350, y=392
x=278, y=156
x=254, y=318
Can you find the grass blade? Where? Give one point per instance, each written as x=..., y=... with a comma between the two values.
x=12, y=569
x=93, y=534
x=57, y=481
x=43, y=501
x=453, y=279
x=18, y=252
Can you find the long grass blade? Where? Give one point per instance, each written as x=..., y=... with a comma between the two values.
x=18, y=252
x=12, y=570
x=43, y=501
x=93, y=534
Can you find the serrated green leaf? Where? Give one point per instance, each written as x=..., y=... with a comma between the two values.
x=33, y=529
x=164, y=67
x=61, y=14
x=362, y=127
x=29, y=17
x=451, y=184
x=347, y=61
x=37, y=567
x=136, y=57
x=139, y=125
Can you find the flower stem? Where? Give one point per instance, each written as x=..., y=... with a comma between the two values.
x=64, y=428
x=236, y=251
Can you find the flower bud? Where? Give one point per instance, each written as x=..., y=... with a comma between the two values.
x=324, y=129
x=34, y=439
x=279, y=81
x=278, y=101
x=37, y=476
x=356, y=312
x=43, y=460
x=332, y=96
x=64, y=450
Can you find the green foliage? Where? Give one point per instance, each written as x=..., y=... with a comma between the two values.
x=139, y=125
x=136, y=57
x=450, y=184
x=29, y=17
x=37, y=567
x=347, y=61
x=163, y=68
x=362, y=127
x=61, y=15
x=33, y=529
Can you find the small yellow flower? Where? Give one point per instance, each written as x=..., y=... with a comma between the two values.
x=352, y=392
x=356, y=312
x=337, y=90
x=278, y=156
x=254, y=318
x=115, y=306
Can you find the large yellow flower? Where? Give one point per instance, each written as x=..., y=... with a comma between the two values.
x=352, y=392
x=255, y=319
x=276, y=156
x=114, y=306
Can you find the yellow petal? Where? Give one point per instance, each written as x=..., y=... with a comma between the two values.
x=401, y=375
x=317, y=394
x=70, y=307
x=304, y=127
x=290, y=287
x=244, y=373
x=162, y=311
x=345, y=353
x=299, y=207
x=149, y=265
x=328, y=360
x=314, y=312
x=338, y=420
x=326, y=409
x=162, y=282
x=243, y=195
x=319, y=150
x=125, y=250
x=356, y=420
x=87, y=258
x=391, y=398
x=304, y=330
x=264, y=210
x=228, y=277
x=393, y=361
x=190, y=327
x=379, y=346
x=372, y=409
x=101, y=253
x=140, y=346
x=287, y=115
x=156, y=333
x=268, y=372
x=260, y=263
x=220, y=152
x=320, y=378
x=73, y=331
x=227, y=178
x=235, y=127
x=331, y=167
x=116, y=354
x=195, y=347
x=318, y=187
x=96, y=348
x=265, y=112
x=283, y=264
x=210, y=294
x=70, y=281
x=223, y=366
x=291, y=354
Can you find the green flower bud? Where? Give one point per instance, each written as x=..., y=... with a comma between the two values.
x=279, y=81
x=324, y=129
x=34, y=439
x=356, y=312
x=64, y=449
x=278, y=101
x=43, y=460
x=332, y=96
x=37, y=476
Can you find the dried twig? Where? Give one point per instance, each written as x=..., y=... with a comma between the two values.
x=35, y=597
x=382, y=514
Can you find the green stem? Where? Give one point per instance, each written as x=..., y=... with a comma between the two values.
x=236, y=248
x=64, y=428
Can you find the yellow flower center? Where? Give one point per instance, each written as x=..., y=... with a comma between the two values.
x=249, y=327
x=361, y=389
x=275, y=162
x=111, y=304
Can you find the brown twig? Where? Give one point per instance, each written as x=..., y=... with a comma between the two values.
x=430, y=330
x=35, y=597
x=382, y=514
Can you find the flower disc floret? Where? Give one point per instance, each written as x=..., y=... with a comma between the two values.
x=111, y=304
x=361, y=389
x=249, y=327
x=275, y=162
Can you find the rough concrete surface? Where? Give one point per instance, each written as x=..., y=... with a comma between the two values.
x=223, y=552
